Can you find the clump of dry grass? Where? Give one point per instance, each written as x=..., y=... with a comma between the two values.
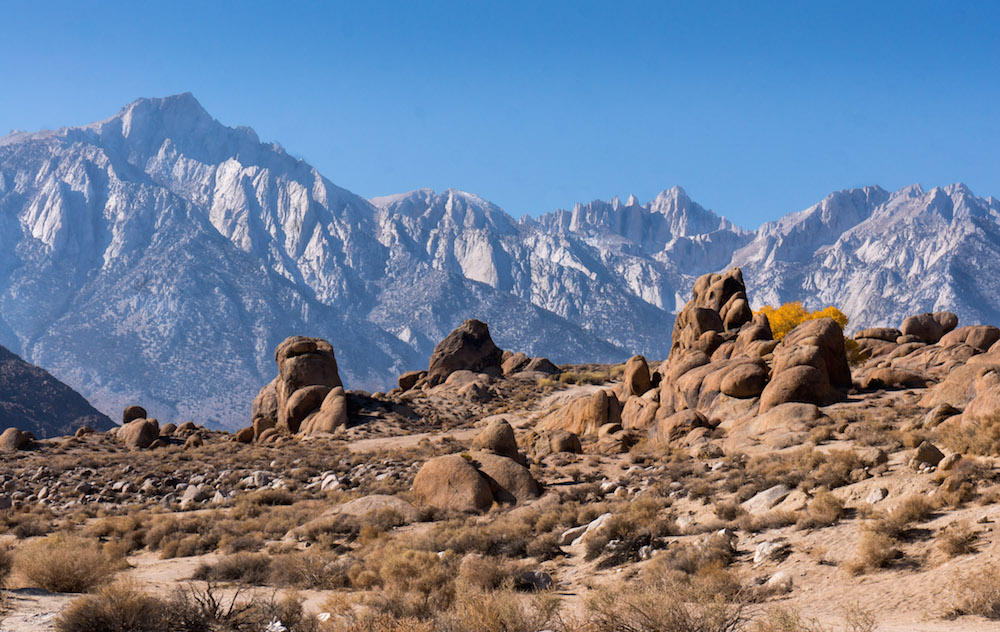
x=633, y=525
x=980, y=437
x=875, y=550
x=755, y=523
x=977, y=593
x=65, y=563
x=880, y=536
x=124, y=606
x=897, y=521
x=805, y=467
x=823, y=510
x=663, y=605
x=956, y=539
x=121, y=606
x=6, y=564
x=782, y=619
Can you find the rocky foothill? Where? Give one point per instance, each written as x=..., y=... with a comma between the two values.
x=790, y=477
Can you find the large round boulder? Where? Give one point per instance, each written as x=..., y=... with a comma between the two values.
x=12, y=440
x=509, y=481
x=498, y=437
x=584, y=415
x=331, y=415
x=131, y=413
x=979, y=337
x=637, y=378
x=469, y=348
x=139, y=434
x=929, y=327
x=409, y=379
x=886, y=334
x=744, y=380
x=453, y=483
x=810, y=366
x=265, y=405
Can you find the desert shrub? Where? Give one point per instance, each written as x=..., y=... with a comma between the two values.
x=755, y=523
x=584, y=377
x=634, y=524
x=979, y=437
x=500, y=611
x=194, y=609
x=323, y=570
x=896, y=522
x=6, y=564
x=129, y=531
x=64, y=563
x=247, y=568
x=961, y=484
x=650, y=607
x=270, y=497
x=873, y=431
x=118, y=607
x=956, y=539
x=977, y=593
x=689, y=557
x=875, y=550
x=367, y=621
x=787, y=317
x=479, y=572
x=823, y=510
x=782, y=619
x=729, y=510
x=805, y=467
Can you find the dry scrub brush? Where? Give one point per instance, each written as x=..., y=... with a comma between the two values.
x=67, y=563
x=124, y=606
x=976, y=593
x=979, y=437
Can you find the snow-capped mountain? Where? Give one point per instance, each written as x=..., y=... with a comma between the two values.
x=881, y=256
x=157, y=257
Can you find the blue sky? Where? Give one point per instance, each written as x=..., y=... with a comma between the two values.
x=755, y=108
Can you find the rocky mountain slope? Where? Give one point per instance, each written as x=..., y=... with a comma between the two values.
x=34, y=401
x=157, y=256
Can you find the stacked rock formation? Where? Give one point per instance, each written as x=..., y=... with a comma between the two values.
x=961, y=364
x=493, y=472
x=467, y=360
x=927, y=348
x=810, y=365
x=468, y=348
x=307, y=397
x=724, y=369
x=137, y=431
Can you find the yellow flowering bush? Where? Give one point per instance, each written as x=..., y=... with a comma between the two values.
x=790, y=315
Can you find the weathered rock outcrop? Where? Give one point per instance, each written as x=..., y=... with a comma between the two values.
x=452, y=482
x=139, y=434
x=585, y=415
x=473, y=482
x=929, y=327
x=637, y=378
x=543, y=443
x=810, y=366
x=307, y=396
x=717, y=369
x=469, y=348
x=498, y=437
x=12, y=440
